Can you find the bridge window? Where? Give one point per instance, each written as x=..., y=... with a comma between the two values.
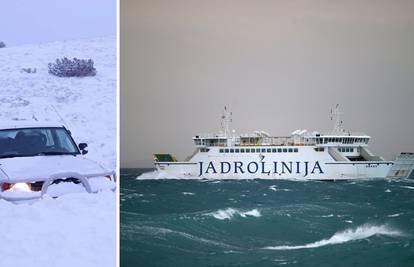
x=241, y=150
x=263, y=150
x=274, y=150
x=236, y=150
x=290, y=150
x=226, y=150
x=279, y=150
x=319, y=149
x=284, y=150
x=269, y=150
x=231, y=150
x=247, y=150
x=221, y=150
x=295, y=150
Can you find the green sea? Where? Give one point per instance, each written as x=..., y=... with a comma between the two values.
x=265, y=222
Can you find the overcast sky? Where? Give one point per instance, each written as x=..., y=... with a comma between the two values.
x=37, y=21
x=279, y=65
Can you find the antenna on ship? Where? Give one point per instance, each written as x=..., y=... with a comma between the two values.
x=336, y=115
x=226, y=120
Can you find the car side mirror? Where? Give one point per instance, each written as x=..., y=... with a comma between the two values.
x=82, y=147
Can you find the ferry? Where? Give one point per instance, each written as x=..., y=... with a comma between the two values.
x=336, y=155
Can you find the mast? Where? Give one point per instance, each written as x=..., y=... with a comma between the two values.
x=336, y=117
x=226, y=120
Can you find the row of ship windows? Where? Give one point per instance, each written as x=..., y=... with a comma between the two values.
x=346, y=149
x=258, y=150
x=344, y=140
x=272, y=150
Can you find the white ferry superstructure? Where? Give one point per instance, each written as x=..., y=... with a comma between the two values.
x=338, y=155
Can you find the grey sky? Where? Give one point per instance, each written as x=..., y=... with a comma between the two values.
x=28, y=21
x=279, y=65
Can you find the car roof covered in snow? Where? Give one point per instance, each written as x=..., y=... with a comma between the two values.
x=28, y=124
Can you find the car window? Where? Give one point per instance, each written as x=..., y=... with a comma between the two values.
x=36, y=141
x=64, y=142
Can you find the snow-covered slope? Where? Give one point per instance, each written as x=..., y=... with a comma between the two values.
x=87, y=105
x=77, y=229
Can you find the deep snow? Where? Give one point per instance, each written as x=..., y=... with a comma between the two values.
x=76, y=229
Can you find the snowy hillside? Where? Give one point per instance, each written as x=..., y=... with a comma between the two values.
x=76, y=229
x=87, y=105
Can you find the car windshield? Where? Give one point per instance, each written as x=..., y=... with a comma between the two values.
x=27, y=142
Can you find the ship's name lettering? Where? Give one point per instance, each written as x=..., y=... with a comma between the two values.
x=303, y=168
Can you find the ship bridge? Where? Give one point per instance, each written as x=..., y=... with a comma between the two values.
x=342, y=145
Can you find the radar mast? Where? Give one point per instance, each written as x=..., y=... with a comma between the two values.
x=226, y=120
x=336, y=114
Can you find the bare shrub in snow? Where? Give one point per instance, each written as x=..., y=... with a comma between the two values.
x=29, y=70
x=2, y=45
x=72, y=68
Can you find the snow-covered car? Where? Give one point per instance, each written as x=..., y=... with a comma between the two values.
x=42, y=158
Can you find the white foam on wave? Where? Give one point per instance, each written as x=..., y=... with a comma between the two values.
x=408, y=187
x=394, y=215
x=159, y=231
x=188, y=193
x=361, y=232
x=229, y=213
x=156, y=175
x=274, y=188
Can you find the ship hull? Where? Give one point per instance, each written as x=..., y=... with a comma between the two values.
x=304, y=165
x=330, y=171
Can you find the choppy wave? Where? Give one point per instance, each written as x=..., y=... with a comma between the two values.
x=229, y=213
x=394, y=215
x=408, y=187
x=274, y=188
x=160, y=231
x=155, y=175
x=361, y=232
x=327, y=216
